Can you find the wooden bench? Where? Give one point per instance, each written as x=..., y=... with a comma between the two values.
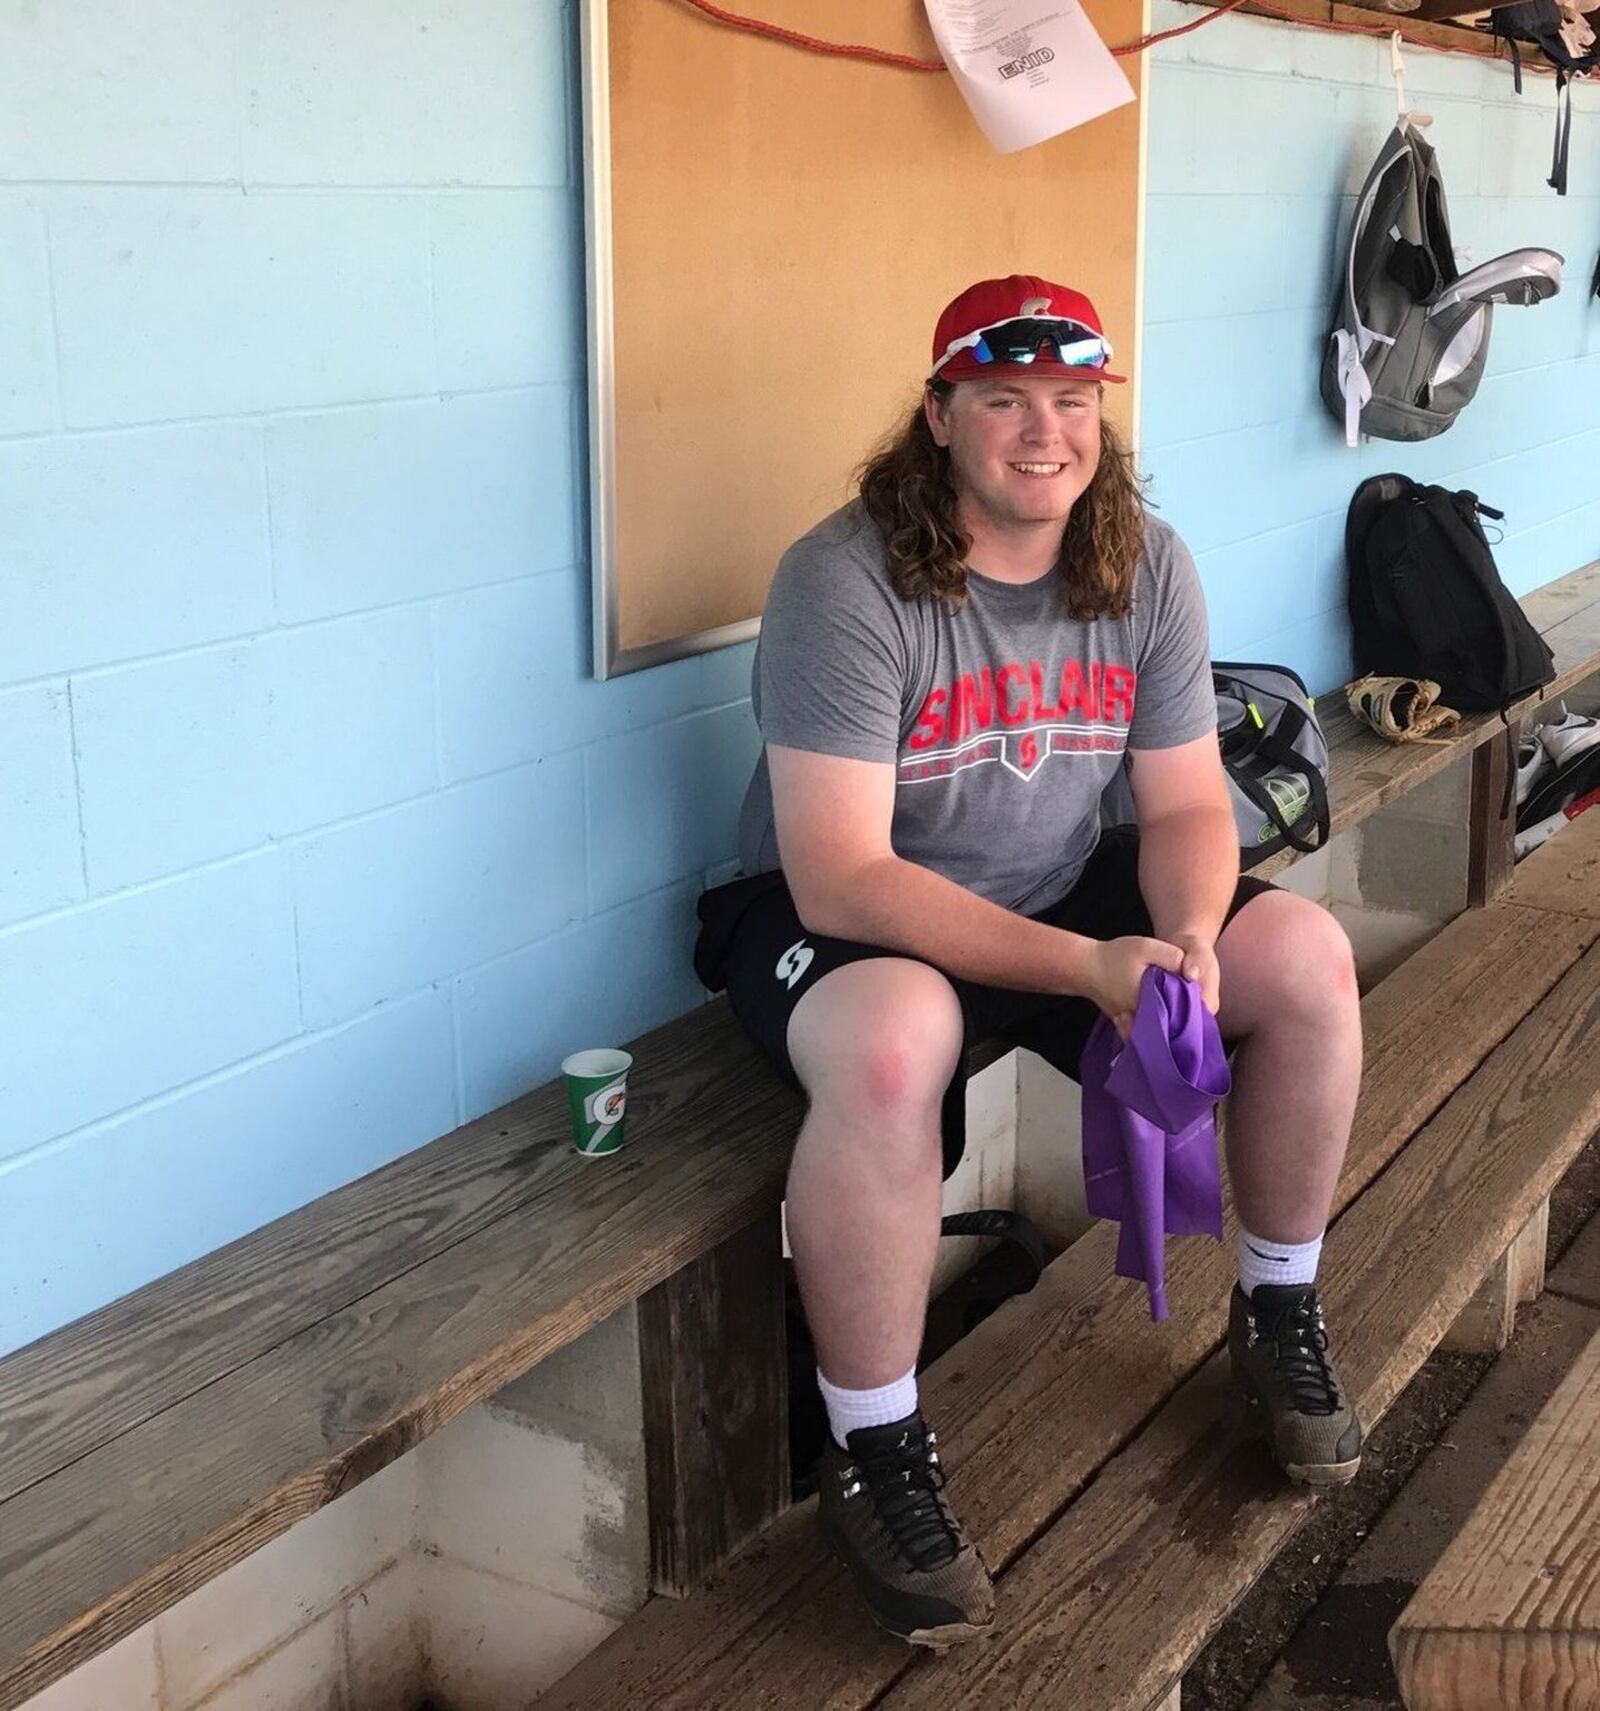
x=1509, y=1617
x=1091, y=1452
x=148, y=1446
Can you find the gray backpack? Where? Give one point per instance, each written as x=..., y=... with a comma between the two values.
x=1410, y=335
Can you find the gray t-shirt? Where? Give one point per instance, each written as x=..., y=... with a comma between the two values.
x=1004, y=720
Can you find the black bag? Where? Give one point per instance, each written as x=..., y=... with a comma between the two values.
x=1427, y=601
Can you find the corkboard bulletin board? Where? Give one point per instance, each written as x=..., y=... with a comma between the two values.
x=771, y=235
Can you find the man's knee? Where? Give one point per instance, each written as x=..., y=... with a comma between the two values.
x=1294, y=955
x=880, y=1041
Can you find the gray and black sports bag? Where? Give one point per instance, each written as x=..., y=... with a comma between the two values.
x=1410, y=333
x=1275, y=756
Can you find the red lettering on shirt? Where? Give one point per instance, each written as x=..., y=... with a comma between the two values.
x=1041, y=708
x=1011, y=713
x=930, y=723
x=1119, y=688
x=971, y=704
x=1077, y=694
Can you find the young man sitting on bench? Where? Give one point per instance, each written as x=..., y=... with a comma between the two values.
x=951, y=668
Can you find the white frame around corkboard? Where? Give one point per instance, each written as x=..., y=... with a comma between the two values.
x=771, y=234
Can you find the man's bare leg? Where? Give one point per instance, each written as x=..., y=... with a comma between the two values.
x=874, y=1044
x=1289, y=997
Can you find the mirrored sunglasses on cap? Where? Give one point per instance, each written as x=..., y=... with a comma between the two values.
x=1020, y=340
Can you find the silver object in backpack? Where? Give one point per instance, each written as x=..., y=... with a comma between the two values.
x=1410, y=336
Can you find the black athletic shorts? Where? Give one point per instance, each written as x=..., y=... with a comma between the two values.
x=753, y=943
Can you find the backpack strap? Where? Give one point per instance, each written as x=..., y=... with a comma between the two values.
x=1277, y=748
x=1558, y=160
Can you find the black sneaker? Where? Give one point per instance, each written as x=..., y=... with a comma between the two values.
x=880, y=1505
x=1278, y=1346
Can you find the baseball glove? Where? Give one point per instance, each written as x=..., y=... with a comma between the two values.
x=1401, y=709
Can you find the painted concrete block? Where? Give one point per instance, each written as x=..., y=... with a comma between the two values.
x=27, y=354
x=508, y=287
x=1315, y=232
x=1049, y=1153
x=594, y=1380
x=77, y=82
x=306, y=1674
x=40, y=858
x=1221, y=252
x=1267, y=583
x=601, y=982
x=1319, y=649
x=416, y=92
x=405, y=500
x=212, y=1163
x=124, y=1678
x=515, y=679
x=418, y=893
x=1265, y=135
x=1271, y=360
x=207, y=302
x=292, y=1581
x=725, y=674
x=208, y=753
x=665, y=803
x=494, y=1644
x=119, y=545
x=386, y=1627
x=1521, y=162
x=565, y=1515
x=175, y=762
x=123, y=999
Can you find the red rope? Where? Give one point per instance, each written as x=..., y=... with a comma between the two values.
x=908, y=62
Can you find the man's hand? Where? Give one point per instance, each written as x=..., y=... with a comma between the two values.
x=1200, y=964
x=1115, y=968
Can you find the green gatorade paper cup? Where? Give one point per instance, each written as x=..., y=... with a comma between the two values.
x=597, y=1094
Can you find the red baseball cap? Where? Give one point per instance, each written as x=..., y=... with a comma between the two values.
x=1021, y=296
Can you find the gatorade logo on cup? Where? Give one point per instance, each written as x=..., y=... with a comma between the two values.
x=607, y=1104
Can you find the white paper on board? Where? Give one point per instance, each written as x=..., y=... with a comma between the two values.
x=1028, y=69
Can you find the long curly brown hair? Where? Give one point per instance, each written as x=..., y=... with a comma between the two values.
x=908, y=492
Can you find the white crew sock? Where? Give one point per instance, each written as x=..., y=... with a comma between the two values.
x=1261, y=1261
x=850, y=1410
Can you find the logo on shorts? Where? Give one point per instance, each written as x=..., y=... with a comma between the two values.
x=794, y=962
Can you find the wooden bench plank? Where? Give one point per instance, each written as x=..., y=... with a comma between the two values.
x=1127, y=1587
x=1492, y=818
x=81, y=1386
x=714, y=1369
x=1038, y=1396
x=1563, y=874
x=1510, y=1614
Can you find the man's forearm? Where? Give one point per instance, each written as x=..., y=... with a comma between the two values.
x=904, y=907
x=1188, y=871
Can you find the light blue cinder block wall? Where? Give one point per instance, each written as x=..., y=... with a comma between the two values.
x=316, y=837
x=1260, y=135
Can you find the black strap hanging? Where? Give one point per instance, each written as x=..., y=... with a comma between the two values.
x=1558, y=161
